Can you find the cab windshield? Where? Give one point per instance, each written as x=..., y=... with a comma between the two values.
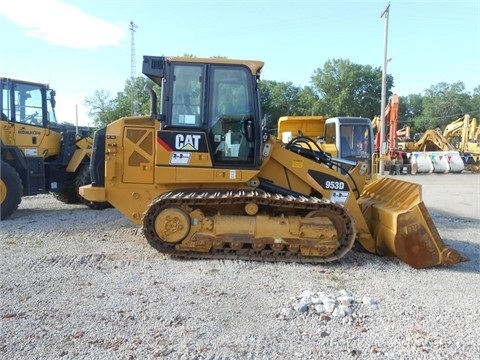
x=30, y=104
x=355, y=142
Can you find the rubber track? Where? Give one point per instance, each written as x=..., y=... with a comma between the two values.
x=222, y=198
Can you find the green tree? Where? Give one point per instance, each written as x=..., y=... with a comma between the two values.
x=309, y=103
x=279, y=99
x=474, y=110
x=410, y=107
x=349, y=89
x=443, y=103
x=100, y=107
x=136, y=90
x=104, y=110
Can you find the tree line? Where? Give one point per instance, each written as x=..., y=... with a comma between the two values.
x=339, y=88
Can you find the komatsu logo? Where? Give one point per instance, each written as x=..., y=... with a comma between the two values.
x=28, y=132
x=187, y=142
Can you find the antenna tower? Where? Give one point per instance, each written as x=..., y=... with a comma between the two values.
x=133, y=27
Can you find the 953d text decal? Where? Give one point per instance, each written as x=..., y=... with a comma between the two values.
x=339, y=190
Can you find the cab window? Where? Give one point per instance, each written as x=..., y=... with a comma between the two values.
x=330, y=133
x=231, y=115
x=28, y=104
x=187, y=95
x=355, y=141
x=5, y=100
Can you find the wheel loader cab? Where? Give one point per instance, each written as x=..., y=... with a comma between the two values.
x=27, y=102
x=209, y=105
x=29, y=109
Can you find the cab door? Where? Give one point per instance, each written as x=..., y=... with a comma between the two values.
x=234, y=124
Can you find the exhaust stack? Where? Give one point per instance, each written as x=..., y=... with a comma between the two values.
x=153, y=102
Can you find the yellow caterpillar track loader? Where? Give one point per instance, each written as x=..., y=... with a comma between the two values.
x=205, y=180
x=38, y=155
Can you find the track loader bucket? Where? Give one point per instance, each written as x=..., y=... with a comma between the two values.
x=401, y=225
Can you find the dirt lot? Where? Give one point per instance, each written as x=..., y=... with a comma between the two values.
x=78, y=283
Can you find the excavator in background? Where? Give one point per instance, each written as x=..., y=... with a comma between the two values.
x=391, y=125
x=392, y=156
x=38, y=155
x=433, y=153
x=205, y=179
x=426, y=153
x=464, y=135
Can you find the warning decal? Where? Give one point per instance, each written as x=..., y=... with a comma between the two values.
x=340, y=197
x=180, y=158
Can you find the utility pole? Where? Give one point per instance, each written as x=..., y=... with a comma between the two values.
x=133, y=27
x=385, y=14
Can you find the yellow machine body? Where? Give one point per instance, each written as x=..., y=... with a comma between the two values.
x=38, y=155
x=215, y=185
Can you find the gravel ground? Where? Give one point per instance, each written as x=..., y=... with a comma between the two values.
x=78, y=283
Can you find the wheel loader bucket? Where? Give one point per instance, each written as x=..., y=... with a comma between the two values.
x=401, y=225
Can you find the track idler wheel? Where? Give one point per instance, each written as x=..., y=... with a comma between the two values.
x=172, y=224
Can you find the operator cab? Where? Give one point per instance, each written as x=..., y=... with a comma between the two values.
x=27, y=103
x=27, y=114
x=210, y=105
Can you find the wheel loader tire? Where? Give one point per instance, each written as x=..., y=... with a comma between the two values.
x=83, y=178
x=10, y=190
x=68, y=195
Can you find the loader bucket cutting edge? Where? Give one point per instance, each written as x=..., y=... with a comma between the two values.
x=401, y=225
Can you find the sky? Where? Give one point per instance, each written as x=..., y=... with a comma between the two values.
x=80, y=46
